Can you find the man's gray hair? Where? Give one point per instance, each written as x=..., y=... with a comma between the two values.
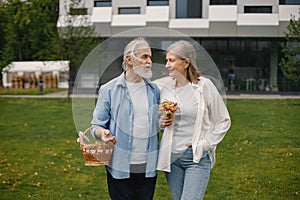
x=132, y=47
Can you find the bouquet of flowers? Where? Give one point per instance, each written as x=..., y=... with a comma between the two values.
x=168, y=108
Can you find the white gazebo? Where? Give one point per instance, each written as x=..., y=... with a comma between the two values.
x=28, y=74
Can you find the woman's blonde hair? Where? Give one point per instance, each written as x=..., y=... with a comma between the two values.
x=185, y=51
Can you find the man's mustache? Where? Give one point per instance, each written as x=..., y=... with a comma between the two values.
x=147, y=66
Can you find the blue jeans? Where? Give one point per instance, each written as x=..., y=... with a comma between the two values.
x=188, y=180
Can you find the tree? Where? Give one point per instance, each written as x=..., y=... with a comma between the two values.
x=42, y=28
x=290, y=63
x=28, y=32
x=26, y=27
x=75, y=38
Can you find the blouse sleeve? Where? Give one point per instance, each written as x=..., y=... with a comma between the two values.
x=218, y=116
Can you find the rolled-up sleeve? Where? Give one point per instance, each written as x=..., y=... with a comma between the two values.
x=101, y=115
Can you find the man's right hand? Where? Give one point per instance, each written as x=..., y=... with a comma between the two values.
x=106, y=136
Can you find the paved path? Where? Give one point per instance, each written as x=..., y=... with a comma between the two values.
x=262, y=96
x=64, y=94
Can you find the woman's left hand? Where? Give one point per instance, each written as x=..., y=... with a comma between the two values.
x=165, y=121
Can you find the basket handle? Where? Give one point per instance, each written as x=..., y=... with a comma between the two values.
x=83, y=136
x=87, y=130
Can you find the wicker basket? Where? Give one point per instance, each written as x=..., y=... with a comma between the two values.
x=97, y=154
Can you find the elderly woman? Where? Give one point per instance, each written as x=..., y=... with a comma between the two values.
x=189, y=141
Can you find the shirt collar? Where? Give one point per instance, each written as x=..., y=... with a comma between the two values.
x=122, y=82
x=173, y=83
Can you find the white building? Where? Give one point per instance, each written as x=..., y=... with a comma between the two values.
x=242, y=35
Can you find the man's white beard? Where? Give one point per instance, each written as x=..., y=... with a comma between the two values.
x=141, y=71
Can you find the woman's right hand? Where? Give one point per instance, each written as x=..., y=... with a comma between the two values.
x=165, y=121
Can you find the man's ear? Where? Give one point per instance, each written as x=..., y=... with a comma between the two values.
x=129, y=60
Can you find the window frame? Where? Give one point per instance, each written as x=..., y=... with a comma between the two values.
x=128, y=9
x=224, y=2
x=258, y=9
x=78, y=11
x=103, y=3
x=286, y=2
x=157, y=2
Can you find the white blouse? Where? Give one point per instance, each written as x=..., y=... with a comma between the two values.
x=211, y=125
x=184, y=118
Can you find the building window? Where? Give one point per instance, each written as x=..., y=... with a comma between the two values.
x=157, y=2
x=189, y=9
x=136, y=10
x=222, y=2
x=289, y=2
x=258, y=9
x=78, y=11
x=102, y=3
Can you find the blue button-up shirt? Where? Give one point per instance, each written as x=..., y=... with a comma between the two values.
x=114, y=111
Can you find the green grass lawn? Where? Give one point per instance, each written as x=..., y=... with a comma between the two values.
x=35, y=91
x=40, y=159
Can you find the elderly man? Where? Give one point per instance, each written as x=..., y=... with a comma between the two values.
x=126, y=114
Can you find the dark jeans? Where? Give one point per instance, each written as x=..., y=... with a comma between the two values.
x=137, y=187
